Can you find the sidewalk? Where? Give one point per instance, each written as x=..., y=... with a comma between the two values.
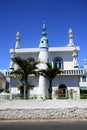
x=26, y=104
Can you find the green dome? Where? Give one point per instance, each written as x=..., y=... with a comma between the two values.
x=44, y=39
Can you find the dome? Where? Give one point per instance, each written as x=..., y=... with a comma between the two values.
x=44, y=39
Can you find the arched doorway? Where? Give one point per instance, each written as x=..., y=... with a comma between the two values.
x=63, y=92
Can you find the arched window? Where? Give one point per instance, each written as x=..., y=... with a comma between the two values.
x=58, y=62
x=83, y=78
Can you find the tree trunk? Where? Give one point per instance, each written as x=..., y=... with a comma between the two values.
x=22, y=92
x=27, y=91
x=26, y=96
x=50, y=89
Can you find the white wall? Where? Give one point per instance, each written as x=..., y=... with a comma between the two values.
x=66, y=56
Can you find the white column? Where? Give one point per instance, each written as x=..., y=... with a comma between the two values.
x=52, y=64
x=78, y=93
x=10, y=94
x=42, y=87
x=81, y=79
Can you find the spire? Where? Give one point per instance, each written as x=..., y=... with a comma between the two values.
x=44, y=29
x=44, y=40
x=71, y=39
x=17, y=45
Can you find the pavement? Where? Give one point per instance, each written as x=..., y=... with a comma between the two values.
x=40, y=104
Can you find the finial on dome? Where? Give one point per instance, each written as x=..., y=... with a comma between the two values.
x=17, y=45
x=44, y=26
x=71, y=39
x=44, y=29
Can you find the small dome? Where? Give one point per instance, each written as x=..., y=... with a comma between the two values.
x=70, y=30
x=44, y=39
x=85, y=61
x=18, y=33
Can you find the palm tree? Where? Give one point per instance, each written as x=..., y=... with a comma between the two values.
x=25, y=68
x=50, y=73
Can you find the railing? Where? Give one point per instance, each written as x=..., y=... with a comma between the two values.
x=73, y=72
x=2, y=97
x=66, y=72
x=36, y=97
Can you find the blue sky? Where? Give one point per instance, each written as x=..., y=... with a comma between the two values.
x=26, y=16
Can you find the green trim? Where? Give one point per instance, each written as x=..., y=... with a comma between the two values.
x=83, y=88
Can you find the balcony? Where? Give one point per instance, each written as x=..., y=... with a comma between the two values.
x=73, y=72
x=66, y=72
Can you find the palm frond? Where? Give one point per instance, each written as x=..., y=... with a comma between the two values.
x=51, y=72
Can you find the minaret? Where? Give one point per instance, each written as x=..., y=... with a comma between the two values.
x=71, y=39
x=85, y=65
x=11, y=66
x=43, y=58
x=75, y=57
x=17, y=45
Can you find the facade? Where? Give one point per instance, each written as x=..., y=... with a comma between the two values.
x=83, y=81
x=74, y=80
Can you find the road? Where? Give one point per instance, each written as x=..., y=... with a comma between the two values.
x=44, y=125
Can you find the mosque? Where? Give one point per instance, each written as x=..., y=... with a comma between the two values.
x=74, y=80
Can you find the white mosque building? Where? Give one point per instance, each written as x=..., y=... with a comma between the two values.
x=66, y=58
